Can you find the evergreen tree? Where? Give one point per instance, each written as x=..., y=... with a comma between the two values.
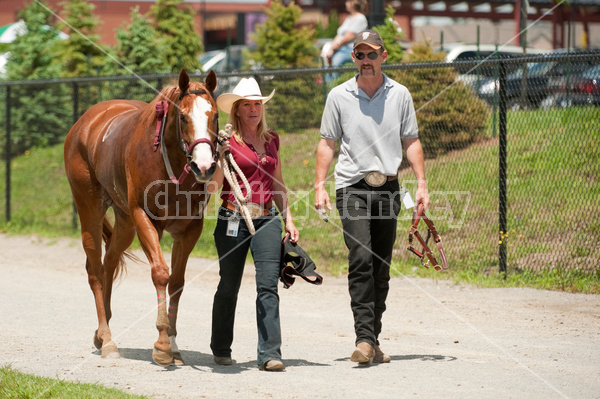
x=80, y=54
x=280, y=42
x=176, y=27
x=139, y=48
x=32, y=54
x=391, y=37
x=40, y=115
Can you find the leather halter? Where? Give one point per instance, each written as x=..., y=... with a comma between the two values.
x=162, y=108
x=419, y=214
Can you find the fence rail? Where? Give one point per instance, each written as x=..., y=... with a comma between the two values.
x=522, y=134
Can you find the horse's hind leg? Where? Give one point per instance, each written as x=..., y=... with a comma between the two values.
x=119, y=239
x=91, y=218
x=88, y=196
x=183, y=244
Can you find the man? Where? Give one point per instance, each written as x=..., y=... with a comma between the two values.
x=373, y=117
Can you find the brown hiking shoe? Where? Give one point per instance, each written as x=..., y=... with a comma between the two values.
x=363, y=354
x=380, y=357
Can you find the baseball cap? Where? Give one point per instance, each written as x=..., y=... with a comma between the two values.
x=369, y=37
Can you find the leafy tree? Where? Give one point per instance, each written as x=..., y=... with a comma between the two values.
x=175, y=26
x=391, y=37
x=39, y=114
x=139, y=48
x=80, y=54
x=449, y=113
x=280, y=43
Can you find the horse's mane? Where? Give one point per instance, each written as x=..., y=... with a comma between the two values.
x=169, y=93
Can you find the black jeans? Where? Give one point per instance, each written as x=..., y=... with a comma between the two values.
x=369, y=218
x=265, y=246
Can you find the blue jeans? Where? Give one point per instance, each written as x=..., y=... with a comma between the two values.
x=339, y=58
x=369, y=217
x=266, y=251
x=342, y=55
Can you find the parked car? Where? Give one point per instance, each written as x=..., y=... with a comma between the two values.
x=228, y=59
x=543, y=80
x=578, y=90
x=3, y=61
x=475, y=76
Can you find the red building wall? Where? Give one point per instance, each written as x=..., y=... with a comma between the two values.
x=114, y=14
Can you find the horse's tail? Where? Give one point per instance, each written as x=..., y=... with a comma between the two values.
x=107, y=231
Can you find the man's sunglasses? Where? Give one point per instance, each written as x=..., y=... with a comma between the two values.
x=372, y=55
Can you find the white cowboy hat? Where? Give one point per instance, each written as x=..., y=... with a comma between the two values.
x=246, y=89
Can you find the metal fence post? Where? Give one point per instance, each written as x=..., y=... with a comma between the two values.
x=502, y=171
x=7, y=149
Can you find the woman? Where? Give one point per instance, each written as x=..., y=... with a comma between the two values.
x=339, y=52
x=256, y=151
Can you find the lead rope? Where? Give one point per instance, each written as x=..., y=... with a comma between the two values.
x=227, y=167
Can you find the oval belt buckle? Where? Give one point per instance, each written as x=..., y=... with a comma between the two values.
x=375, y=179
x=255, y=210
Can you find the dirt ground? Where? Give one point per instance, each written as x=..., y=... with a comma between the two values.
x=445, y=340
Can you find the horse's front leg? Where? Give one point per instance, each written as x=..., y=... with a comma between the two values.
x=150, y=242
x=183, y=244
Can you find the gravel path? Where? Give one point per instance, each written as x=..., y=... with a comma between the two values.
x=445, y=340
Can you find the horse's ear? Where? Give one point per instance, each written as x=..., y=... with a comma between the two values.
x=211, y=81
x=184, y=80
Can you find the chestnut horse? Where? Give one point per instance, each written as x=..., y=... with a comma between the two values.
x=121, y=154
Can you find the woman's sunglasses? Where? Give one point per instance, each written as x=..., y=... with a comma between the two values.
x=372, y=55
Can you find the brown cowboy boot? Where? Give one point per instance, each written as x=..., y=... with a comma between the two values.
x=273, y=365
x=363, y=354
x=380, y=357
x=223, y=360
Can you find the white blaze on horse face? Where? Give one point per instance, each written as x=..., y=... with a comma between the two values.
x=202, y=154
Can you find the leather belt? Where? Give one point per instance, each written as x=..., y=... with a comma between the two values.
x=256, y=210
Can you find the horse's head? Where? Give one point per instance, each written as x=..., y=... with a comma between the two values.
x=198, y=120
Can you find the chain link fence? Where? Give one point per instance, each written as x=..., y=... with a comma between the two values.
x=512, y=150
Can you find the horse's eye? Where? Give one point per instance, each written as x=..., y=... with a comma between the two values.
x=182, y=118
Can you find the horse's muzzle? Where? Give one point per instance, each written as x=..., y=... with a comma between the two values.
x=202, y=176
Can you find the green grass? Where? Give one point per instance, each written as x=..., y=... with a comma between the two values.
x=17, y=385
x=553, y=191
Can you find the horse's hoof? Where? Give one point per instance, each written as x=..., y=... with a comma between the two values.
x=177, y=359
x=97, y=342
x=110, y=351
x=161, y=357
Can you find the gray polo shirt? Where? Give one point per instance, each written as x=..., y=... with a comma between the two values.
x=370, y=130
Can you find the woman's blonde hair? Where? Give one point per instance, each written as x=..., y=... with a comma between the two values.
x=263, y=130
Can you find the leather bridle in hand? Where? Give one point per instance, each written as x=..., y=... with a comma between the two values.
x=419, y=214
